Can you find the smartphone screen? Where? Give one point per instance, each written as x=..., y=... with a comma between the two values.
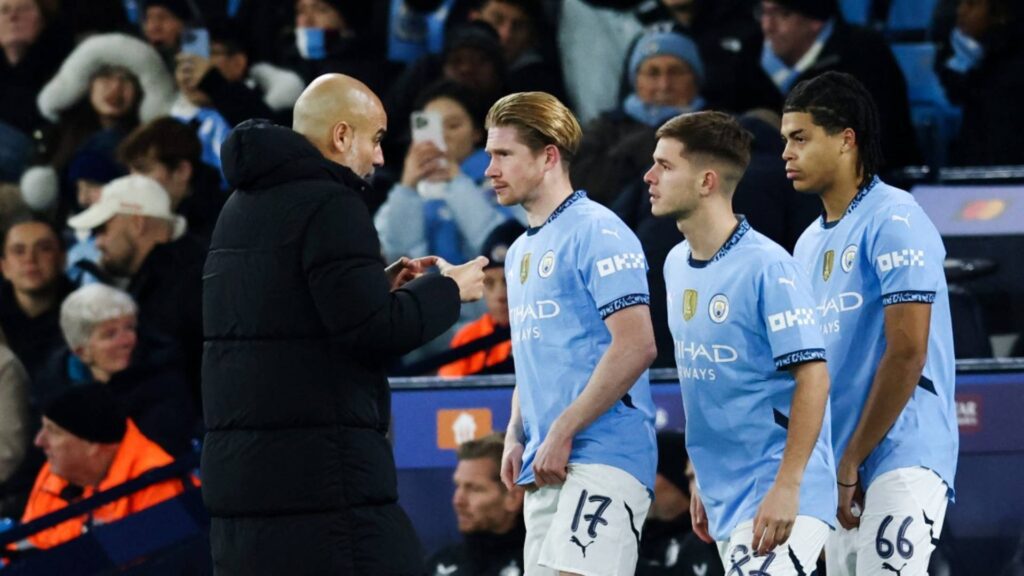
x=196, y=41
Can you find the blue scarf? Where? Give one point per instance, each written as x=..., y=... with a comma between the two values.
x=782, y=74
x=654, y=115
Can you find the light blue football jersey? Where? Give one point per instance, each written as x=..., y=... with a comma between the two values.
x=564, y=278
x=884, y=251
x=739, y=321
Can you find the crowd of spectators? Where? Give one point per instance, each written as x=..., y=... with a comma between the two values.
x=113, y=112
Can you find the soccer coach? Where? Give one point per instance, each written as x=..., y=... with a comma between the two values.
x=300, y=319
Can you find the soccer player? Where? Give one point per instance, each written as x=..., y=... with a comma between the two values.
x=875, y=261
x=751, y=360
x=581, y=435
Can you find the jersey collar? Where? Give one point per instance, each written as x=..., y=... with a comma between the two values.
x=572, y=199
x=853, y=203
x=737, y=234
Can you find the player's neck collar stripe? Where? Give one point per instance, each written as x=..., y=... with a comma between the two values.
x=737, y=233
x=577, y=195
x=853, y=204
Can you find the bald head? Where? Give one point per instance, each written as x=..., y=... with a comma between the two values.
x=345, y=120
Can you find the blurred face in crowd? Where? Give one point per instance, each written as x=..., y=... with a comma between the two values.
x=318, y=14
x=113, y=94
x=481, y=502
x=496, y=294
x=110, y=346
x=182, y=78
x=516, y=171
x=88, y=192
x=515, y=30
x=673, y=182
x=174, y=180
x=812, y=155
x=33, y=259
x=69, y=456
x=162, y=28
x=461, y=136
x=974, y=17
x=117, y=241
x=789, y=33
x=472, y=68
x=21, y=21
x=666, y=80
x=232, y=65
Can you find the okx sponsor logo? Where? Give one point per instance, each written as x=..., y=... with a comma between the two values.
x=624, y=261
x=790, y=318
x=900, y=259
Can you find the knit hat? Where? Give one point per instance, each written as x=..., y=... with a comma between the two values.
x=816, y=9
x=496, y=246
x=89, y=412
x=669, y=43
x=672, y=459
x=94, y=166
x=179, y=8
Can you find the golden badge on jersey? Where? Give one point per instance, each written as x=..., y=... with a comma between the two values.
x=524, y=268
x=826, y=265
x=689, y=304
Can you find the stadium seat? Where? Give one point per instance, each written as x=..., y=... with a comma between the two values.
x=910, y=15
x=856, y=11
x=936, y=121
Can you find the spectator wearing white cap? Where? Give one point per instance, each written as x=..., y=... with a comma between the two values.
x=142, y=240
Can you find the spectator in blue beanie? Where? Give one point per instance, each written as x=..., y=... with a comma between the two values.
x=665, y=74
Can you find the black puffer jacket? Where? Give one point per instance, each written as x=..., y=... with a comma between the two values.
x=299, y=323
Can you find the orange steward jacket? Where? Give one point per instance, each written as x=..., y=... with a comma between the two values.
x=472, y=364
x=136, y=455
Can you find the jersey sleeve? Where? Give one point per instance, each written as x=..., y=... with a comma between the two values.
x=612, y=266
x=907, y=256
x=787, y=309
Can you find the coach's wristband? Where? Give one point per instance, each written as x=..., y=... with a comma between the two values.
x=854, y=485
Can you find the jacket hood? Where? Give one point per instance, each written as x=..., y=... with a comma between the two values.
x=71, y=83
x=259, y=154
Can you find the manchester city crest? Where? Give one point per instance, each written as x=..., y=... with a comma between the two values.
x=547, y=264
x=849, y=257
x=689, y=303
x=827, y=264
x=718, y=308
x=524, y=268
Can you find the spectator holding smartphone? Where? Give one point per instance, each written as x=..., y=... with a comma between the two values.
x=439, y=206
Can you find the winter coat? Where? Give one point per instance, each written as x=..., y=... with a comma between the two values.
x=23, y=81
x=866, y=56
x=33, y=340
x=992, y=132
x=482, y=554
x=299, y=324
x=168, y=291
